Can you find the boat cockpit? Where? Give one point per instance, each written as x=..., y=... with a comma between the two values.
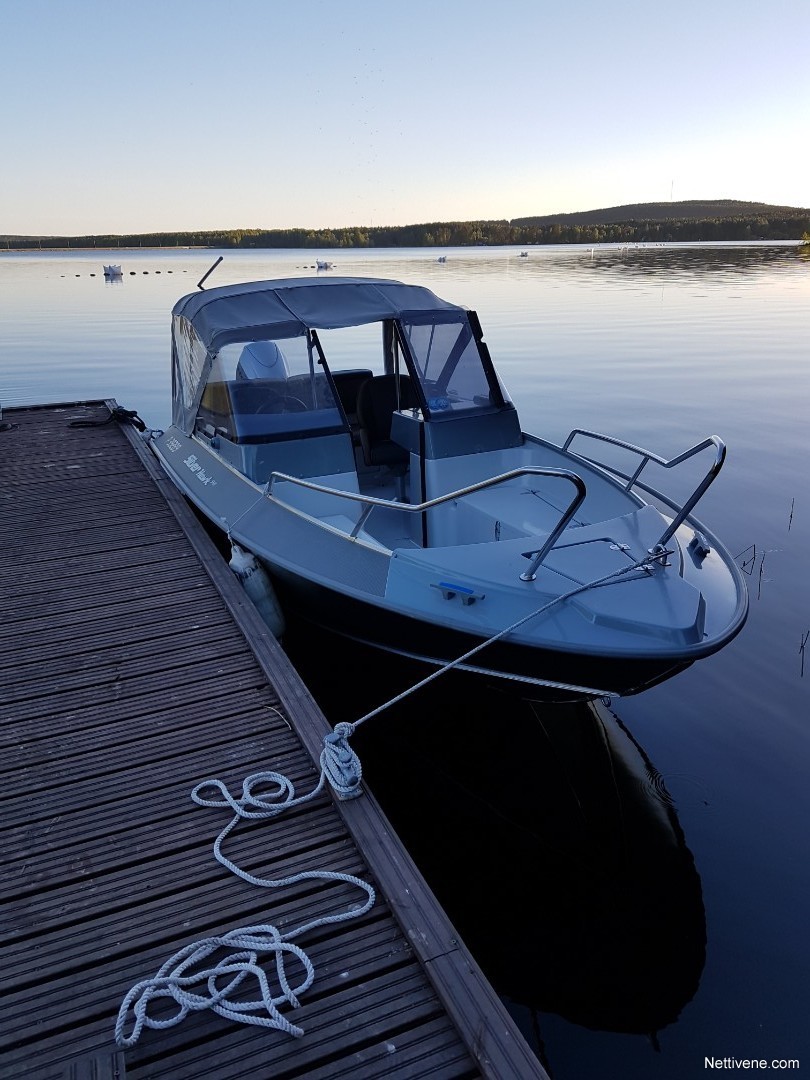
x=391, y=397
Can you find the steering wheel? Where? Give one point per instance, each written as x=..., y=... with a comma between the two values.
x=276, y=402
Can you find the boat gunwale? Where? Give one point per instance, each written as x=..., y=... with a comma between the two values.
x=689, y=651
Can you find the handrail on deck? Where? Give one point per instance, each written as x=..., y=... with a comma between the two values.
x=371, y=501
x=647, y=455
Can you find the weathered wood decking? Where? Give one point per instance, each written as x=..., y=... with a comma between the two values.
x=132, y=667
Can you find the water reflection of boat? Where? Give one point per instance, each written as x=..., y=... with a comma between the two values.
x=546, y=834
x=563, y=866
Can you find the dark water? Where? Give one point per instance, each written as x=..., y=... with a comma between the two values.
x=550, y=838
x=634, y=880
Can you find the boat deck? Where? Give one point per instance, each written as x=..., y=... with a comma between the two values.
x=132, y=667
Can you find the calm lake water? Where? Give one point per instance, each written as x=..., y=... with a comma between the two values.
x=637, y=887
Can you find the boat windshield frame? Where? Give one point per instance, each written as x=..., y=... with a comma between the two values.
x=466, y=382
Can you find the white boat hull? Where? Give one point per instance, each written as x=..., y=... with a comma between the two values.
x=438, y=603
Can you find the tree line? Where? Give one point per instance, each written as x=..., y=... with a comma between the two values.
x=785, y=224
x=684, y=209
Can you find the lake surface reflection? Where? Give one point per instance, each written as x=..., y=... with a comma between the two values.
x=635, y=882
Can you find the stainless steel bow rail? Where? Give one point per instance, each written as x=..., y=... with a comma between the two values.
x=682, y=512
x=370, y=502
x=631, y=480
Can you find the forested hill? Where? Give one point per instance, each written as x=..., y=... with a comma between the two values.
x=706, y=220
x=689, y=210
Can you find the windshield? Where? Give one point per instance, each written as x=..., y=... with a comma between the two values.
x=258, y=391
x=450, y=365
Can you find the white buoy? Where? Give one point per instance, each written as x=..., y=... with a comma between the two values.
x=256, y=583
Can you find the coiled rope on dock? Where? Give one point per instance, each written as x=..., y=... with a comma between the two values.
x=206, y=974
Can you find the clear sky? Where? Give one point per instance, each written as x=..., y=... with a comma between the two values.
x=192, y=114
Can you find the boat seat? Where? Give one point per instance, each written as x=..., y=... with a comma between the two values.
x=314, y=391
x=347, y=385
x=376, y=403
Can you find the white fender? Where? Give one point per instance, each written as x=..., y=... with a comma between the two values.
x=256, y=583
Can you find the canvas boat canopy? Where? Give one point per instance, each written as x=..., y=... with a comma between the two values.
x=286, y=308
x=440, y=342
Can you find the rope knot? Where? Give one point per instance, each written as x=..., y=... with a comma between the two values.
x=340, y=764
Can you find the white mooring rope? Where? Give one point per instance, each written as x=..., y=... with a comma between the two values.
x=207, y=973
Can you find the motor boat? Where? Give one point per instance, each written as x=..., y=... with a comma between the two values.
x=354, y=435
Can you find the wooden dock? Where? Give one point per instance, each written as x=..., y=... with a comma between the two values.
x=132, y=666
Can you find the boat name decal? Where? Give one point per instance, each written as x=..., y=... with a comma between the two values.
x=191, y=463
x=173, y=444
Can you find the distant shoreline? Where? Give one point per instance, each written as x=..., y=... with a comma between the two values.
x=641, y=223
x=311, y=253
